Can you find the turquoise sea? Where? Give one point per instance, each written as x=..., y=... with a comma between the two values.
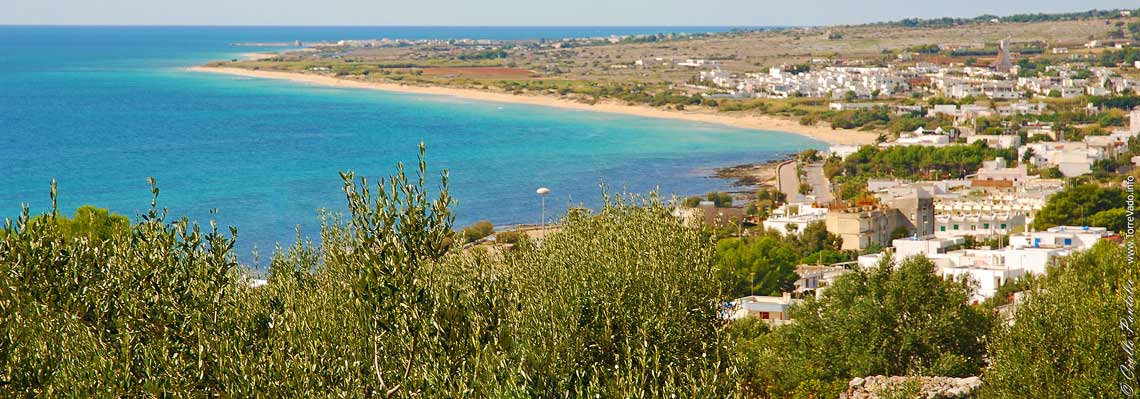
x=102, y=108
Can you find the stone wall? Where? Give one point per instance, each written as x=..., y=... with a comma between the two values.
x=883, y=387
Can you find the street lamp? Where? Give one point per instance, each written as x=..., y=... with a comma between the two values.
x=542, y=191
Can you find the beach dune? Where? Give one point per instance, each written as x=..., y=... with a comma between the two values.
x=757, y=122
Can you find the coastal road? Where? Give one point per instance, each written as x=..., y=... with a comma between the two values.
x=820, y=187
x=789, y=181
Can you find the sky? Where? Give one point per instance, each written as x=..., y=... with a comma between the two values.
x=517, y=12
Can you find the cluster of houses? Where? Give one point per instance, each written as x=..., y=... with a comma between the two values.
x=1031, y=252
x=934, y=219
x=834, y=82
x=491, y=43
x=999, y=81
x=1071, y=158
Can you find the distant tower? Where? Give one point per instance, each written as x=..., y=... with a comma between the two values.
x=1134, y=121
x=1003, y=64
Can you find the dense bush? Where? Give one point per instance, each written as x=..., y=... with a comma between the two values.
x=1065, y=340
x=719, y=199
x=765, y=264
x=1083, y=205
x=953, y=161
x=880, y=321
x=621, y=303
x=757, y=266
x=508, y=237
x=477, y=230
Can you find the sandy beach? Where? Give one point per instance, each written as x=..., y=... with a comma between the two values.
x=758, y=122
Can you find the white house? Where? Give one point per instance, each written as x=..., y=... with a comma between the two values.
x=996, y=141
x=1078, y=237
x=926, y=140
x=1031, y=252
x=817, y=277
x=928, y=246
x=985, y=268
x=836, y=106
x=1071, y=158
x=772, y=309
x=792, y=218
x=842, y=151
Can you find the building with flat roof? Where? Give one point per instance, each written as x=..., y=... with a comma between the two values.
x=1027, y=253
x=916, y=206
x=817, y=277
x=793, y=218
x=925, y=245
x=1079, y=237
x=771, y=309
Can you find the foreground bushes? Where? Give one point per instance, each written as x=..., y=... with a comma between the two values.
x=1070, y=338
x=621, y=303
x=904, y=320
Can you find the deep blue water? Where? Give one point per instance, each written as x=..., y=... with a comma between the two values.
x=102, y=108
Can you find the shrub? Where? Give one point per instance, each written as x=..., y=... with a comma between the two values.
x=508, y=237
x=477, y=230
x=621, y=303
x=1075, y=316
x=868, y=323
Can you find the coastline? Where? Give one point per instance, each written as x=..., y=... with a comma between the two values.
x=753, y=122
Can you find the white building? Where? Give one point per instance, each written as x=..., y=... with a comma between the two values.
x=932, y=140
x=852, y=106
x=977, y=224
x=998, y=170
x=985, y=268
x=817, y=277
x=1032, y=252
x=996, y=141
x=793, y=218
x=1078, y=237
x=1071, y=158
x=928, y=246
x=842, y=151
x=772, y=309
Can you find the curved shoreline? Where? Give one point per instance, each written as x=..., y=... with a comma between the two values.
x=761, y=122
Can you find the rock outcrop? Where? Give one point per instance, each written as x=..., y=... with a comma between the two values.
x=883, y=387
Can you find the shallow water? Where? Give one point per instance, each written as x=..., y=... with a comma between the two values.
x=102, y=108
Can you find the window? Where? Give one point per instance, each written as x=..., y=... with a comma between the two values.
x=1068, y=241
x=942, y=228
x=985, y=225
x=955, y=227
x=1003, y=225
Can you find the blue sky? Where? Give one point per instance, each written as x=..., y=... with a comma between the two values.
x=517, y=12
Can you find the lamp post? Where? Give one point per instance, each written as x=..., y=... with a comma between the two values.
x=542, y=191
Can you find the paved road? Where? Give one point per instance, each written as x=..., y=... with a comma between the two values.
x=790, y=182
x=820, y=187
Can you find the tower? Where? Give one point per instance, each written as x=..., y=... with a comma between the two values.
x=1003, y=63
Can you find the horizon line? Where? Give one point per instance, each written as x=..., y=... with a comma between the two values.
x=393, y=26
